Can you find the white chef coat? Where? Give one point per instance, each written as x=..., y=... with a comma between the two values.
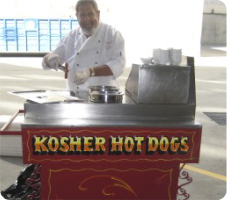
x=104, y=47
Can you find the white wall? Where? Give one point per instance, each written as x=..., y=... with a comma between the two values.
x=214, y=30
x=215, y=6
x=157, y=23
x=37, y=9
x=214, y=23
x=145, y=24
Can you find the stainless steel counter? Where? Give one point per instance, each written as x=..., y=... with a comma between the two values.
x=86, y=113
x=110, y=123
x=142, y=103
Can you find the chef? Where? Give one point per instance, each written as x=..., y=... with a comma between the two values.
x=94, y=51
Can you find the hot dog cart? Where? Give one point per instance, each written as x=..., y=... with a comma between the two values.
x=110, y=145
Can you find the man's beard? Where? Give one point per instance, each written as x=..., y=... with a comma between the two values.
x=90, y=31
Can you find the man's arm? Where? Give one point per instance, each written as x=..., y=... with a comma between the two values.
x=58, y=56
x=117, y=61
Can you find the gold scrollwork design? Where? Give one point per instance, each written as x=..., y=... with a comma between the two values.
x=119, y=183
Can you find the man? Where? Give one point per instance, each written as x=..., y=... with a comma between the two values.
x=95, y=54
x=94, y=51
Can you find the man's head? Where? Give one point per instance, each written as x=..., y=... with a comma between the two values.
x=87, y=13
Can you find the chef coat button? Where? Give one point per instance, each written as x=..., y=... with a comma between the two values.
x=77, y=65
x=78, y=53
x=99, y=41
x=77, y=88
x=96, y=63
x=97, y=51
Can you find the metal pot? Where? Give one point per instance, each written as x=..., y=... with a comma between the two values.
x=105, y=94
x=105, y=97
x=102, y=88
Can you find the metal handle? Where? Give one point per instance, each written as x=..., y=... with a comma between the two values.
x=64, y=69
x=3, y=129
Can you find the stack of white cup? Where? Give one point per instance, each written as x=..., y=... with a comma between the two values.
x=167, y=56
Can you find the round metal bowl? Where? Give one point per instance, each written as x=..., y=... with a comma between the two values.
x=102, y=88
x=105, y=94
x=106, y=97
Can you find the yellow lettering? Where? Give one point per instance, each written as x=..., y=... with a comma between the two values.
x=64, y=146
x=116, y=146
x=139, y=143
x=88, y=143
x=39, y=144
x=53, y=144
x=152, y=143
x=75, y=142
x=100, y=144
x=164, y=144
x=174, y=145
x=184, y=145
x=129, y=144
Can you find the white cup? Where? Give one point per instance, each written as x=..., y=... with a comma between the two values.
x=161, y=56
x=175, y=56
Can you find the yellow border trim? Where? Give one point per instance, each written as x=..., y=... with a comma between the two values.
x=104, y=131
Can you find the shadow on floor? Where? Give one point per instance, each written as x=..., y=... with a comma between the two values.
x=213, y=51
x=18, y=161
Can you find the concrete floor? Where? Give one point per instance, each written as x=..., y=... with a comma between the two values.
x=209, y=176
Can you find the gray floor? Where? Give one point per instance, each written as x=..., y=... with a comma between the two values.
x=208, y=184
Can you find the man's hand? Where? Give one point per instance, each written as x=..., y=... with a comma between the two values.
x=82, y=76
x=52, y=61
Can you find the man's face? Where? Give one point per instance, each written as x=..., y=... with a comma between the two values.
x=88, y=18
